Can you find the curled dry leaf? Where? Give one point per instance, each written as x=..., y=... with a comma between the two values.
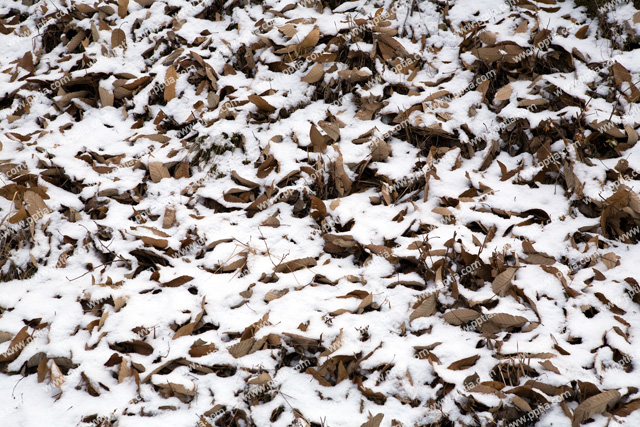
x=593, y=405
x=502, y=283
x=295, y=265
x=169, y=218
x=262, y=105
x=460, y=316
x=314, y=75
x=463, y=364
x=425, y=309
x=118, y=38
x=374, y=421
x=310, y=40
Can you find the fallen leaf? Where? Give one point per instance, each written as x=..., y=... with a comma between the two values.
x=118, y=38
x=158, y=171
x=460, y=316
x=593, y=405
x=262, y=105
x=463, y=364
x=425, y=309
x=502, y=283
x=170, y=80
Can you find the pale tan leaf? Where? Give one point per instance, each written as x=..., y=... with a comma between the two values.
x=184, y=331
x=170, y=80
x=262, y=105
x=549, y=366
x=169, y=218
x=106, y=98
x=123, y=5
x=426, y=309
x=156, y=243
x=118, y=38
x=124, y=371
x=314, y=75
x=35, y=205
x=502, y=283
x=611, y=260
x=373, y=421
x=157, y=171
x=317, y=140
x=440, y=210
x=295, y=265
x=504, y=93
x=503, y=320
x=288, y=30
x=460, y=316
x=242, y=348
x=520, y=402
x=593, y=405
x=311, y=40
x=57, y=378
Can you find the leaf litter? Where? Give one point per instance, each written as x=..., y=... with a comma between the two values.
x=231, y=215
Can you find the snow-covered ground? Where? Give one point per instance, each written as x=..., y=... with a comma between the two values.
x=319, y=213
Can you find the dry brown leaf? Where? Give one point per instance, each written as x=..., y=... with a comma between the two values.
x=35, y=204
x=202, y=350
x=288, y=30
x=440, y=210
x=178, y=281
x=610, y=260
x=460, y=316
x=504, y=93
x=43, y=369
x=374, y=421
x=593, y=405
x=242, y=348
x=57, y=378
x=342, y=181
x=170, y=80
x=502, y=283
x=118, y=38
x=157, y=171
x=549, y=366
x=521, y=403
x=106, y=98
x=426, y=309
x=123, y=5
x=169, y=218
x=311, y=40
x=522, y=28
x=503, y=320
x=582, y=32
x=380, y=150
x=15, y=346
x=317, y=140
x=295, y=265
x=463, y=364
x=124, y=371
x=314, y=75
x=156, y=243
x=184, y=331
x=262, y=105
